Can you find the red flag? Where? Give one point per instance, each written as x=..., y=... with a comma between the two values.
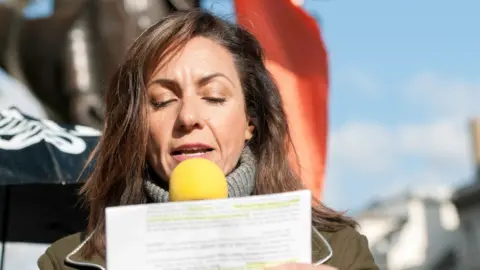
x=297, y=58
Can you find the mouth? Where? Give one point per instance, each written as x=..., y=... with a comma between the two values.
x=190, y=151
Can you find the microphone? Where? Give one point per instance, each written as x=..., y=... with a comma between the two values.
x=197, y=179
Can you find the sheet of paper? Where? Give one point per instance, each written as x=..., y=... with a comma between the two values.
x=228, y=234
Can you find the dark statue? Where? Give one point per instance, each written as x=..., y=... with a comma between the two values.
x=67, y=58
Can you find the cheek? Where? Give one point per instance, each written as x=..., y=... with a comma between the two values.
x=230, y=129
x=159, y=132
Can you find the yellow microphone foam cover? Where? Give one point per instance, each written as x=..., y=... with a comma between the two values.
x=197, y=179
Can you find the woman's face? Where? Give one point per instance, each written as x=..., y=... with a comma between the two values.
x=196, y=109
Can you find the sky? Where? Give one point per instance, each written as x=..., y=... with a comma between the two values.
x=404, y=82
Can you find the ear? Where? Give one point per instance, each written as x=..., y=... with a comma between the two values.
x=249, y=131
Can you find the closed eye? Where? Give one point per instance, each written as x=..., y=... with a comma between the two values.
x=214, y=100
x=161, y=104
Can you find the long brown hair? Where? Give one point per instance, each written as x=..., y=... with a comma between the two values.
x=120, y=157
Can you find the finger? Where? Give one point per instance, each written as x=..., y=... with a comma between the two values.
x=289, y=266
x=280, y=267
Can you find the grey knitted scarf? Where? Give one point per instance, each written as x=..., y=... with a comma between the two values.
x=241, y=181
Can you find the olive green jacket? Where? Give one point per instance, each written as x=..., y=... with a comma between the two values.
x=345, y=250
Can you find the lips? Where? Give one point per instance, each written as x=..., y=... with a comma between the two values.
x=191, y=151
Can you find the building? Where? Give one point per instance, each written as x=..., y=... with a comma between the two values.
x=467, y=201
x=413, y=230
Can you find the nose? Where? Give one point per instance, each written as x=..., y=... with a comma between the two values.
x=189, y=115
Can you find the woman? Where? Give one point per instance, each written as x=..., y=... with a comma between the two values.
x=194, y=85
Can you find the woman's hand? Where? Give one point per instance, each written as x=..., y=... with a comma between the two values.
x=301, y=266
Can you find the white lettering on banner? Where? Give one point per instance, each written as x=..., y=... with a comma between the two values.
x=18, y=132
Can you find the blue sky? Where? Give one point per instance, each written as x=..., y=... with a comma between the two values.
x=37, y=8
x=404, y=81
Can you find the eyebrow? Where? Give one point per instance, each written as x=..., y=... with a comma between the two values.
x=202, y=81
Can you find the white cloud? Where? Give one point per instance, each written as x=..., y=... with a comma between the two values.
x=448, y=96
x=365, y=147
x=371, y=147
x=391, y=158
x=382, y=161
x=444, y=142
x=428, y=177
x=363, y=82
x=450, y=102
x=333, y=191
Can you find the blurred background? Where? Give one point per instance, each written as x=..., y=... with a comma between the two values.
x=400, y=103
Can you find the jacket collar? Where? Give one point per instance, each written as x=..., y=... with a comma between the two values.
x=321, y=253
x=75, y=258
x=321, y=249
